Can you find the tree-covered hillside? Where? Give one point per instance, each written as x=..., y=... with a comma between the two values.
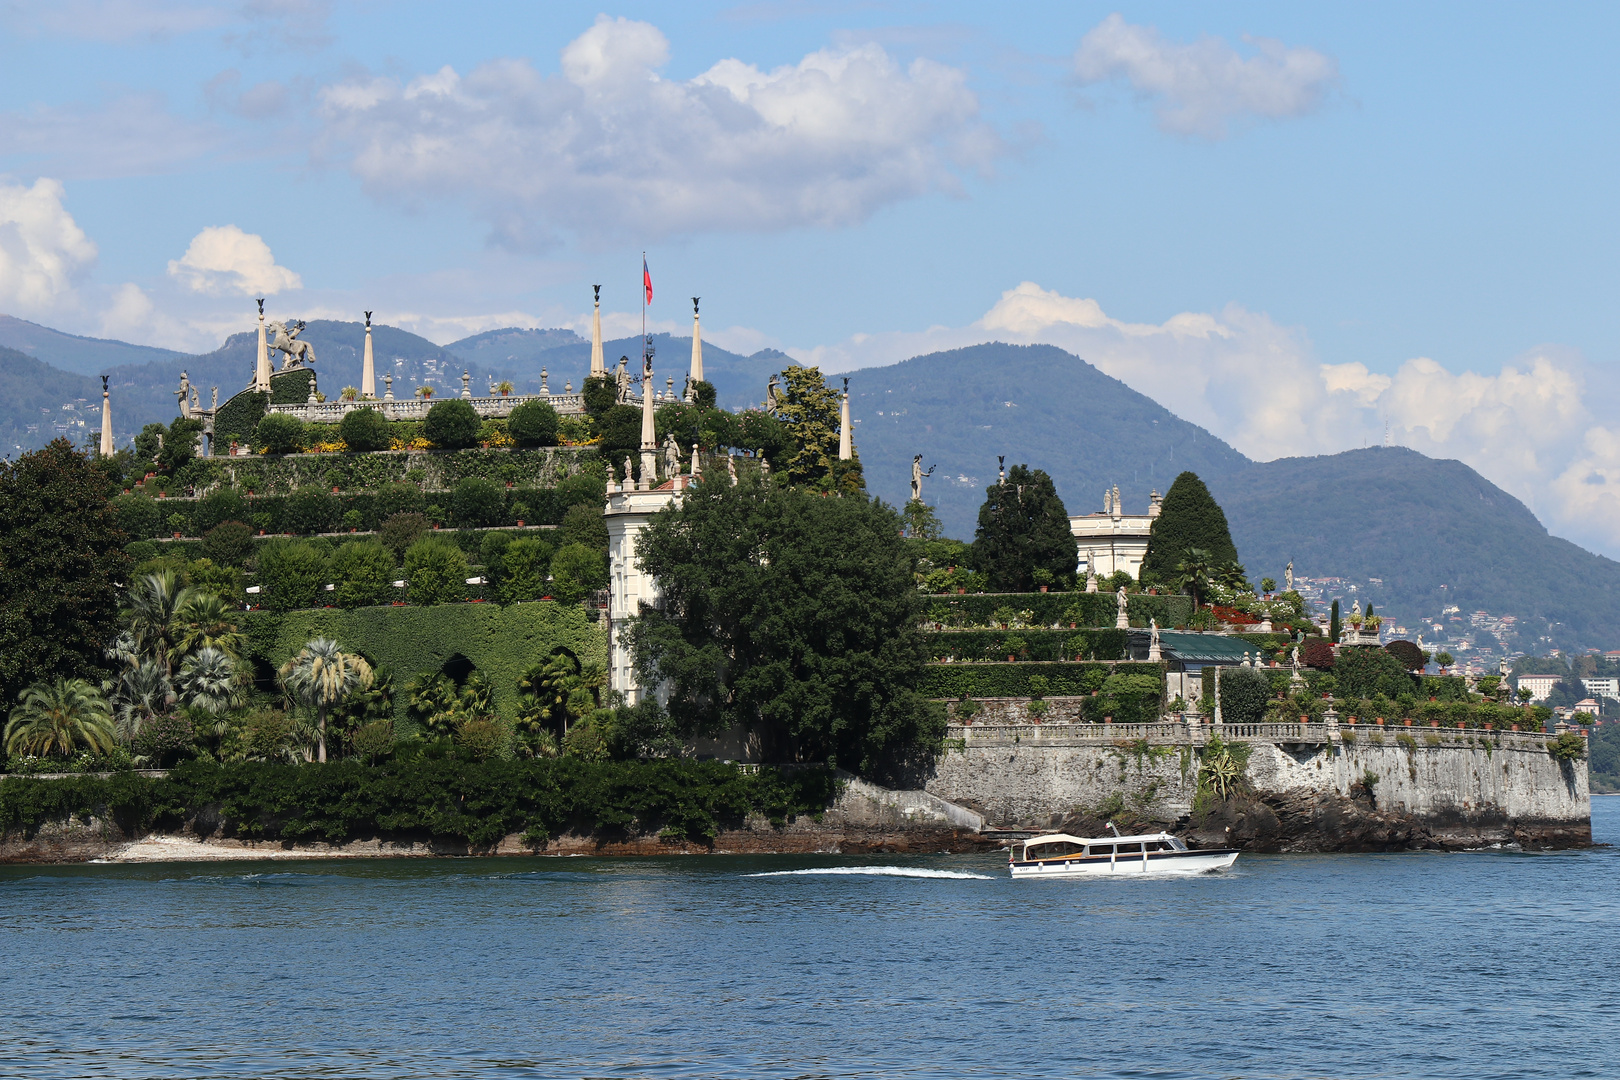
x=31, y=398
x=1435, y=532
x=1037, y=405
x=72, y=353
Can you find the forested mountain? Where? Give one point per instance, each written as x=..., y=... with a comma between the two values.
x=32, y=396
x=70, y=352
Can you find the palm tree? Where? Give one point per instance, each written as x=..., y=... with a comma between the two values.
x=350, y=393
x=154, y=608
x=208, y=684
x=56, y=717
x=432, y=701
x=205, y=621
x=559, y=692
x=1193, y=572
x=321, y=676
x=141, y=692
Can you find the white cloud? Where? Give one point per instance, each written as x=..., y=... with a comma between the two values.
x=1532, y=427
x=611, y=148
x=224, y=260
x=1201, y=87
x=43, y=252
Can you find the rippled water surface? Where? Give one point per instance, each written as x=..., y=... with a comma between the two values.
x=1495, y=964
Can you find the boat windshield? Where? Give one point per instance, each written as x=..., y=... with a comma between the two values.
x=1056, y=849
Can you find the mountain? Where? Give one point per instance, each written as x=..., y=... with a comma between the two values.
x=512, y=345
x=1420, y=535
x=69, y=352
x=1412, y=534
x=1035, y=404
x=39, y=402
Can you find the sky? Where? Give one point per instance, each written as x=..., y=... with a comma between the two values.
x=1307, y=227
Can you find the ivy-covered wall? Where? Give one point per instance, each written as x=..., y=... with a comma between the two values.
x=1057, y=609
x=997, y=645
x=500, y=641
x=238, y=417
x=431, y=470
x=1014, y=680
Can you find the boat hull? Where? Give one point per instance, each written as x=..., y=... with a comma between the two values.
x=1157, y=864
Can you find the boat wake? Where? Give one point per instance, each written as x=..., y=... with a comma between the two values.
x=877, y=871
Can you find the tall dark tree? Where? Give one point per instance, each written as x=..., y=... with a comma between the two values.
x=790, y=614
x=1023, y=527
x=61, y=567
x=1189, y=518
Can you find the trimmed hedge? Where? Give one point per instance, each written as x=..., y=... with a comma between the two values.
x=1047, y=645
x=502, y=642
x=431, y=470
x=1013, y=680
x=447, y=798
x=1443, y=687
x=1049, y=609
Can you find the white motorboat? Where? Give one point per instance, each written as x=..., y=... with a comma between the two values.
x=1057, y=855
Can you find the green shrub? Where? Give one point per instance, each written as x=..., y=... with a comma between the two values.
x=1365, y=670
x=309, y=510
x=478, y=503
x=435, y=571
x=451, y=425
x=164, y=740
x=1013, y=680
x=372, y=742
x=292, y=574
x=577, y=570
x=400, y=531
x=490, y=547
x=226, y=504
x=141, y=550
x=280, y=433
x=363, y=573
x=1244, y=695
x=398, y=499
x=534, y=423
x=525, y=563
x=365, y=429
x=583, y=523
x=138, y=515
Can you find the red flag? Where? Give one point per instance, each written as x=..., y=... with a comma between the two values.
x=646, y=278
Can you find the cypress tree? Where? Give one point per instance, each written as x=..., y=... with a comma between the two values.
x=1023, y=527
x=1333, y=624
x=1189, y=518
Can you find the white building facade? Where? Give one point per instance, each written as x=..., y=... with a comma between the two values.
x=1538, y=685
x=1112, y=540
x=628, y=511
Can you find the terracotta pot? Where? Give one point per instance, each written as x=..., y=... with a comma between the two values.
x=1010, y=659
x=1408, y=723
x=334, y=489
x=126, y=491
x=1434, y=723
x=160, y=494
x=545, y=598
x=1515, y=727
x=177, y=536
x=960, y=590
x=261, y=532
x=352, y=529
x=1108, y=719
x=1043, y=588
x=1380, y=721
x=520, y=523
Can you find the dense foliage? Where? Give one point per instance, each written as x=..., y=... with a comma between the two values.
x=443, y=796
x=365, y=430
x=451, y=425
x=534, y=423
x=1017, y=680
x=1189, y=520
x=1023, y=529
x=61, y=562
x=790, y=614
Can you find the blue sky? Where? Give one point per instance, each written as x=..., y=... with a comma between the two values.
x=1292, y=223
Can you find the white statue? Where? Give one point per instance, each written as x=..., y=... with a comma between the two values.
x=1153, y=641
x=672, y=456
x=1288, y=575
x=764, y=466
x=629, y=470
x=731, y=468
x=622, y=377
x=1123, y=620
x=1296, y=659
x=1091, y=570
x=917, y=475
x=773, y=396
x=284, y=339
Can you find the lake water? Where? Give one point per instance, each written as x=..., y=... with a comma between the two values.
x=1495, y=964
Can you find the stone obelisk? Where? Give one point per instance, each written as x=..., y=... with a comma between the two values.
x=106, y=421
x=846, y=445
x=598, y=369
x=649, y=430
x=261, y=367
x=368, y=368
x=697, y=352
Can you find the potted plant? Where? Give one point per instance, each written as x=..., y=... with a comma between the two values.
x=505, y=387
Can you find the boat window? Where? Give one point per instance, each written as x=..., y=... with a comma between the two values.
x=1128, y=849
x=1177, y=845
x=1100, y=849
x=1054, y=850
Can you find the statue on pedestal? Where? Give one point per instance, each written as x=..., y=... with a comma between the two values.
x=731, y=468
x=773, y=396
x=622, y=378
x=1154, y=655
x=1122, y=621
x=1288, y=575
x=285, y=340
x=672, y=456
x=629, y=470
x=1091, y=570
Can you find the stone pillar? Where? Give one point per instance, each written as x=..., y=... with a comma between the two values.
x=649, y=436
x=544, y=376
x=696, y=374
x=597, y=367
x=368, y=368
x=466, y=385
x=388, y=386
x=1217, y=695
x=261, y=364
x=846, y=445
x=106, y=421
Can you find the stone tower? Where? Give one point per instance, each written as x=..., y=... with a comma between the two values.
x=368, y=368
x=597, y=367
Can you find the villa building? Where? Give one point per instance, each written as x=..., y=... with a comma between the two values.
x=1112, y=540
x=1538, y=685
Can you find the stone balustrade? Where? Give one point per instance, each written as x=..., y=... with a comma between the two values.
x=332, y=412
x=1195, y=730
